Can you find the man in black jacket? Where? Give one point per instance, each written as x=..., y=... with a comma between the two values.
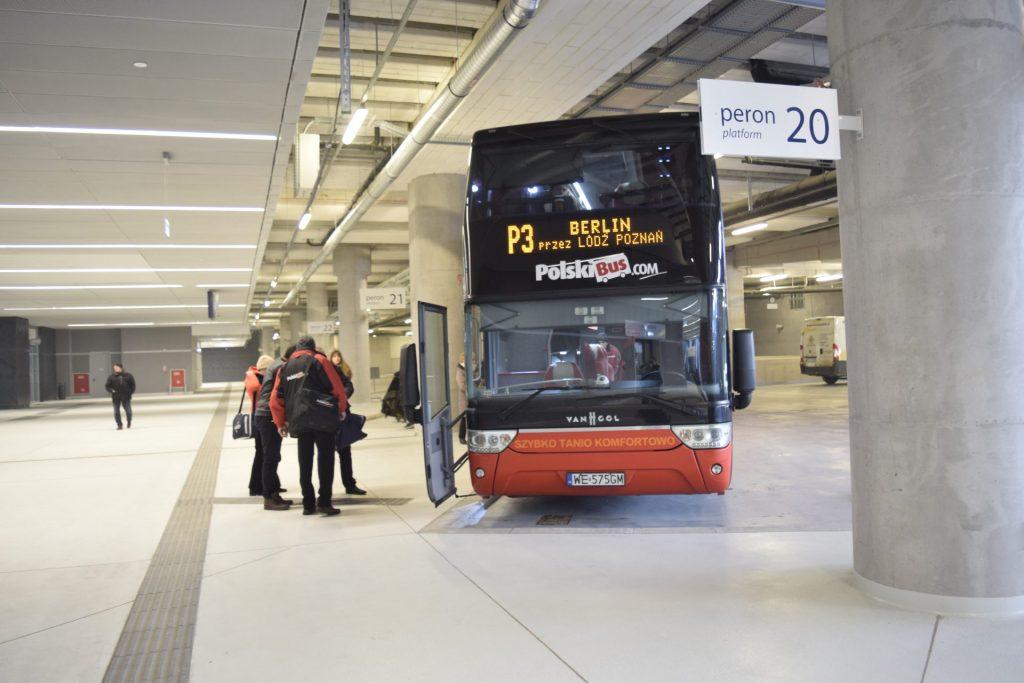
x=121, y=386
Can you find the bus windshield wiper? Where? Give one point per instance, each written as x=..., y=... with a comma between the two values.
x=504, y=415
x=649, y=397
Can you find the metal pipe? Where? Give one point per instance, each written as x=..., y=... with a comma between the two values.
x=814, y=189
x=490, y=40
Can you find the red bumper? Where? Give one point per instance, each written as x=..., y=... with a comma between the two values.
x=535, y=465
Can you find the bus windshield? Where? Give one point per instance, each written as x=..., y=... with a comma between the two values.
x=663, y=344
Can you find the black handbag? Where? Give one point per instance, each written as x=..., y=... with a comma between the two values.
x=314, y=411
x=241, y=426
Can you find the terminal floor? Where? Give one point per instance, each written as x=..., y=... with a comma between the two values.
x=753, y=585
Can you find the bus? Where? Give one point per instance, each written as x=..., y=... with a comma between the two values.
x=597, y=347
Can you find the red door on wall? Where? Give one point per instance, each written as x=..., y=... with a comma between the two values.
x=81, y=382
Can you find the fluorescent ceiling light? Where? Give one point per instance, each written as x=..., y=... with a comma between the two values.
x=719, y=155
x=234, y=285
x=304, y=221
x=354, y=124
x=750, y=228
x=137, y=132
x=773, y=278
x=583, y=197
x=135, y=207
x=273, y=282
x=130, y=307
x=829, y=277
x=160, y=245
x=111, y=324
x=654, y=298
x=408, y=321
x=53, y=287
x=125, y=270
x=757, y=275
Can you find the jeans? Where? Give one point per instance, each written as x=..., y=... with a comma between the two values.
x=270, y=441
x=256, y=471
x=324, y=443
x=127, y=403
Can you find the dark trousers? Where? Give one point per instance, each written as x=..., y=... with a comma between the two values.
x=345, y=461
x=324, y=443
x=127, y=403
x=269, y=439
x=256, y=471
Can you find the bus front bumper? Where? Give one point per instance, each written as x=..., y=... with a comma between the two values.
x=676, y=471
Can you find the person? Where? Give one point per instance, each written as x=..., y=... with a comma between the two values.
x=345, y=454
x=307, y=369
x=121, y=385
x=270, y=438
x=253, y=380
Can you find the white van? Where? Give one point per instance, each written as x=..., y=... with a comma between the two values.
x=823, y=348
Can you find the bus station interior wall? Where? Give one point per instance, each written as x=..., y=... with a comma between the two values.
x=229, y=364
x=148, y=353
x=777, y=331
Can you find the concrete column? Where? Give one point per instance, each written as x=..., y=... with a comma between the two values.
x=437, y=204
x=267, y=343
x=734, y=281
x=351, y=268
x=296, y=328
x=316, y=310
x=932, y=206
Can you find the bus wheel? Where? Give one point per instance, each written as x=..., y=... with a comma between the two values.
x=830, y=380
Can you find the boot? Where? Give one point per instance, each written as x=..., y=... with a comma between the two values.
x=278, y=499
x=275, y=504
x=354, y=490
x=328, y=510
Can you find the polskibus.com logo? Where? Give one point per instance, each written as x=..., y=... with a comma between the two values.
x=602, y=269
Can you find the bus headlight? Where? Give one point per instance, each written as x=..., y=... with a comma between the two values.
x=704, y=436
x=489, y=440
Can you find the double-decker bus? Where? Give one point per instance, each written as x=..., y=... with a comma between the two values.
x=597, y=346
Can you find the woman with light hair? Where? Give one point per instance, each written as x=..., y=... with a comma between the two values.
x=253, y=380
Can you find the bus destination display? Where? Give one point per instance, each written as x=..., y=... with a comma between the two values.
x=546, y=253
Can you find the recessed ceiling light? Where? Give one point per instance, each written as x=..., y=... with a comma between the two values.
x=304, y=221
x=111, y=324
x=160, y=245
x=140, y=65
x=130, y=307
x=54, y=287
x=134, y=207
x=128, y=270
x=137, y=132
x=233, y=285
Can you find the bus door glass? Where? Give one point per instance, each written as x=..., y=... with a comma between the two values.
x=434, y=392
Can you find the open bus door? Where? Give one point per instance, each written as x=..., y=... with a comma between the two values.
x=435, y=413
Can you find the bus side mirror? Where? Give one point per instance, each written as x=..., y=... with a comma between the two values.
x=409, y=383
x=744, y=377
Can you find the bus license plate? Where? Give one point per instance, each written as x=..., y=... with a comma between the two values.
x=596, y=478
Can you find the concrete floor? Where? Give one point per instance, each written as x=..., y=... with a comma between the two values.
x=754, y=585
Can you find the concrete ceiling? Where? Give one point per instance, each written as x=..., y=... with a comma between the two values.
x=237, y=66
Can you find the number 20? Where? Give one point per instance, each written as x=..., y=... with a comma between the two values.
x=810, y=125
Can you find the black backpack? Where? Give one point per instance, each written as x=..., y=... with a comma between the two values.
x=307, y=408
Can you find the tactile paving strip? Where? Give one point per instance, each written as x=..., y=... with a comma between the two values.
x=156, y=642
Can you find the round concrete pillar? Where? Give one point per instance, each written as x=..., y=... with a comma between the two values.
x=437, y=205
x=316, y=311
x=351, y=268
x=932, y=211
x=735, y=301
x=296, y=327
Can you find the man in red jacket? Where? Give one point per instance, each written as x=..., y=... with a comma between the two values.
x=307, y=374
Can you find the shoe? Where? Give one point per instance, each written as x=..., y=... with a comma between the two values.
x=277, y=498
x=308, y=511
x=328, y=510
x=129, y=425
x=272, y=504
x=119, y=427
x=354, y=491
x=281, y=490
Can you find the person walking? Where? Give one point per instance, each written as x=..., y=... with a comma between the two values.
x=305, y=389
x=270, y=438
x=121, y=385
x=345, y=454
x=253, y=381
